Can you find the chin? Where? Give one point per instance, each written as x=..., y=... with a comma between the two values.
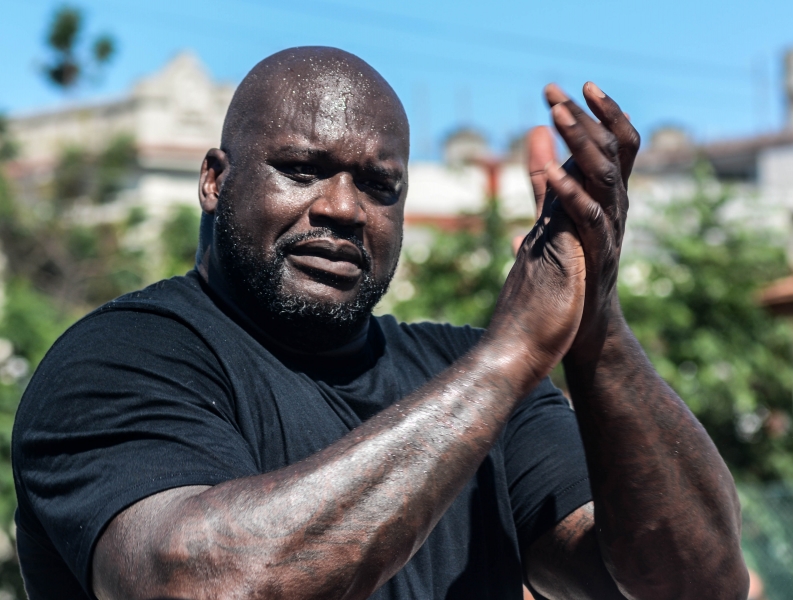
x=320, y=289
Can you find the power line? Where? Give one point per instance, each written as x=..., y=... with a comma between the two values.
x=514, y=42
x=426, y=61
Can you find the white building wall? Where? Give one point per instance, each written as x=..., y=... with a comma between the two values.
x=775, y=176
x=439, y=190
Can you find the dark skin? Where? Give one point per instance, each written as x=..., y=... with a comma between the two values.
x=665, y=521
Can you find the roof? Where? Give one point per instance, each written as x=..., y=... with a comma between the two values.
x=731, y=159
x=778, y=296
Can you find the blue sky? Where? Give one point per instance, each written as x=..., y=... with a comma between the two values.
x=714, y=68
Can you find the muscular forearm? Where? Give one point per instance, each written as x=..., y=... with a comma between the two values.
x=667, y=514
x=340, y=523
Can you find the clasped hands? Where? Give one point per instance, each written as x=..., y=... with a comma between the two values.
x=560, y=299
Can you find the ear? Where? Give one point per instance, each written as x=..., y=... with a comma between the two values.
x=214, y=171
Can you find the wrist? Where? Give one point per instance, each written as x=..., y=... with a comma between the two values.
x=607, y=332
x=519, y=362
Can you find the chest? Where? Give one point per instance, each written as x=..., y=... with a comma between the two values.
x=286, y=415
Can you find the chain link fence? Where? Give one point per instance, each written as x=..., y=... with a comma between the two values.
x=767, y=538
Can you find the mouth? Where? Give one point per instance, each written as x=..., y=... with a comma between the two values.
x=331, y=258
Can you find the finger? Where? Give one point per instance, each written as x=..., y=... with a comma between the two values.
x=540, y=150
x=587, y=215
x=599, y=169
x=601, y=136
x=554, y=95
x=616, y=121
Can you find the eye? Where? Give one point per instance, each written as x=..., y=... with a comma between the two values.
x=304, y=169
x=379, y=186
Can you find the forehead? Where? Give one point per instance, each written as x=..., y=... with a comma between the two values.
x=333, y=109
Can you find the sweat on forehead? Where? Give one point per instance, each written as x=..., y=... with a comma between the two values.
x=326, y=89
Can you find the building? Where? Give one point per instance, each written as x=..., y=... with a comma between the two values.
x=759, y=168
x=176, y=115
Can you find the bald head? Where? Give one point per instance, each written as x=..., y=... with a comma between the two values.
x=312, y=91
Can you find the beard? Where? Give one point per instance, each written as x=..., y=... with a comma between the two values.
x=302, y=322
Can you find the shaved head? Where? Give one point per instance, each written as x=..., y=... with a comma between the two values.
x=304, y=201
x=336, y=91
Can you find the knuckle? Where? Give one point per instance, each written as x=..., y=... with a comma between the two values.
x=609, y=176
x=611, y=145
x=633, y=140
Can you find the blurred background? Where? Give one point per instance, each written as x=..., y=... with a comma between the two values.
x=108, y=108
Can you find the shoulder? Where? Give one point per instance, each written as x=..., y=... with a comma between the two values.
x=166, y=311
x=176, y=297
x=169, y=310
x=448, y=341
x=144, y=336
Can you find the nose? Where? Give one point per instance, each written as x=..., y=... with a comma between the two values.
x=338, y=204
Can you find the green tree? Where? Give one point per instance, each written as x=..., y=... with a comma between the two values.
x=69, y=64
x=691, y=301
x=62, y=243
x=179, y=239
x=692, y=304
x=455, y=277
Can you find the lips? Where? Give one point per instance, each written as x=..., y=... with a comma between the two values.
x=336, y=258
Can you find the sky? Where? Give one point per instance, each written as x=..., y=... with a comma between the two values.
x=713, y=68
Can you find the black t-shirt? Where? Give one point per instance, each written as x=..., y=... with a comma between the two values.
x=164, y=388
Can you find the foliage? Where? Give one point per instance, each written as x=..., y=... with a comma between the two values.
x=693, y=306
x=8, y=148
x=63, y=243
x=67, y=251
x=767, y=534
x=457, y=277
x=179, y=236
x=69, y=65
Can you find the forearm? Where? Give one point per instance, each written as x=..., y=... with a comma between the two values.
x=342, y=522
x=667, y=514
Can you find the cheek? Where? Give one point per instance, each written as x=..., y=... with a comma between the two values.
x=386, y=240
x=272, y=208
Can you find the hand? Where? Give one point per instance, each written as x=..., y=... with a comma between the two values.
x=591, y=188
x=540, y=306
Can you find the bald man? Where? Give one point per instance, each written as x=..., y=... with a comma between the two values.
x=250, y=430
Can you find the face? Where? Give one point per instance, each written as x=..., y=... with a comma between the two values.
x=309, y=221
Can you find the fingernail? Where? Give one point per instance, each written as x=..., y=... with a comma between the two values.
x=554, y=94
x=562, y=115
x=596, y=90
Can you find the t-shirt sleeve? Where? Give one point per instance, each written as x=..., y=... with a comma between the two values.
x=545, y=463
x=125, y=405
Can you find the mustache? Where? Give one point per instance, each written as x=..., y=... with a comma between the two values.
x=287, y=243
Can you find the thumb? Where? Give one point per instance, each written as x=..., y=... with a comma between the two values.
x=540, y=150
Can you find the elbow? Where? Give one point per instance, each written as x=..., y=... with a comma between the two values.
x=193, y=562
x=202, y=562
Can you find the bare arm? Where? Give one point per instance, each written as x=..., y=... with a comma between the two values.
x=666, y=514
x=342, y=522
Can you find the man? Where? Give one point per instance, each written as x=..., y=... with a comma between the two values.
x=250, y=431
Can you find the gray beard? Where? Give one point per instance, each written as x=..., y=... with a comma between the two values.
x=302, y=323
